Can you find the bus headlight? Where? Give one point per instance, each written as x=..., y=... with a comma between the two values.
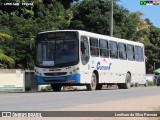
x=74, y=70
x=38, y=73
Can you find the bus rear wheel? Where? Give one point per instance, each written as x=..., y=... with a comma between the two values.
x=136, y=85
x=146, y=84
x=127, y=83
x=99, y=86
x=56, y=88
x=93, y=84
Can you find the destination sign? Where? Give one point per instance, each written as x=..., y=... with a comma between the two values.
x=62, y=35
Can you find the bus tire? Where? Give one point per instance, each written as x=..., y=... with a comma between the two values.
x=127, y=83
x=56, y=88
x=99, y=86
x=93, y=84
x=158, y=81
x=146, y=84
x=136, y=85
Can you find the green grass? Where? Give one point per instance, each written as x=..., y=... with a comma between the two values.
x=150, y=83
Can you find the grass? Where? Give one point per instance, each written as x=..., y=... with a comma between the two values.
x=150, y=83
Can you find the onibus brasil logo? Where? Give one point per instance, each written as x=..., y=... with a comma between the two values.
x=149, y=2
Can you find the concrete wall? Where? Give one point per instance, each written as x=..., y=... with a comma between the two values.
x=150, y=77
x=13, y=80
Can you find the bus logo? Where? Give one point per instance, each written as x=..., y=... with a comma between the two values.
x=99, y=67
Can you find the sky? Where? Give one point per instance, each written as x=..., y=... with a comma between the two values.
x=152, y=12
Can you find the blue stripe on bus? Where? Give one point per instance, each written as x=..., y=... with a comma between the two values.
x=70, y=79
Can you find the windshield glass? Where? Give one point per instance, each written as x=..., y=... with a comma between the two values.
x=56, y=52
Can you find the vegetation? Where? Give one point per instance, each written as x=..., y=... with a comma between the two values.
x=150, y=83
x=24, y=22
x=3, y=56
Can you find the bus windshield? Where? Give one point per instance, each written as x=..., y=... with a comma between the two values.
x=55, y=52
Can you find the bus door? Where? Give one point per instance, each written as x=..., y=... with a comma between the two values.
x=84, y=54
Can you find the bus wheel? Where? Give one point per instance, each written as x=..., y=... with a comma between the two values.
x=56, y=87
x=127, y=84
x=99, y=86
x=136, y=85
x=158, y=82
x=146, y=84
x=93, y=84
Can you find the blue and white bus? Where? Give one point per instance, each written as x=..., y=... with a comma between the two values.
x=77, y=58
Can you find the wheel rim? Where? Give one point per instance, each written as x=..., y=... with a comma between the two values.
x=93, y=81
x=128, y=80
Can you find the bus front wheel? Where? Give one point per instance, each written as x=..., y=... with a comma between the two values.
x=56, y=87
x=93, y=84
x=99, y=86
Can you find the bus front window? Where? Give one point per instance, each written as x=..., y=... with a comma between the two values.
x=56, y=52
x=45, y=53
x=66, y=51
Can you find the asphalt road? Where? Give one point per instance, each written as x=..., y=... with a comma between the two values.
x=45, y=101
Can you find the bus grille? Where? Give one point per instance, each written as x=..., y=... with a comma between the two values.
x=55, y=74
x=55, y=80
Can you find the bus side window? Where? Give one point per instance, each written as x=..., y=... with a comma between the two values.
x=130, y=52
x=84, y=50
x=122, y=51
x=94, y=47
x=104, y=50
x=140, y=54
x=136, y=53
x=113, y=49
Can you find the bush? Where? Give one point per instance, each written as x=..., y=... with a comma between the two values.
x=151, y=83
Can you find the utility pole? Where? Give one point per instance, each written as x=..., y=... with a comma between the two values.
x=111, y=16
x=111, y=19
x=154, y=66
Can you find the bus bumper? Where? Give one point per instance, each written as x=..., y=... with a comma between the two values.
x=70, y=79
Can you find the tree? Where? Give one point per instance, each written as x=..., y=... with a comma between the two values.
x=153, y=49
x=125, y=26
x=151, y=39
x=91, y=15
x=3, y=56
x=66, y=3
x=94, y=16
x=24, y=29
x=141, y=23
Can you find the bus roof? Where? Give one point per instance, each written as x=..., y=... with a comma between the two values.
x=99, y=36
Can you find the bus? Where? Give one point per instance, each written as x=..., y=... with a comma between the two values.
x=81, y=58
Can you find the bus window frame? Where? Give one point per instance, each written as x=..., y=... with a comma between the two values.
x=129, y=53
x=125, y=50
x=141, y=53
x=84, y=57
x=110, y=50
x=104, y=48
x=94, y=47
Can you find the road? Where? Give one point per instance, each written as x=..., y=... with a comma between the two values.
x=45, y=101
